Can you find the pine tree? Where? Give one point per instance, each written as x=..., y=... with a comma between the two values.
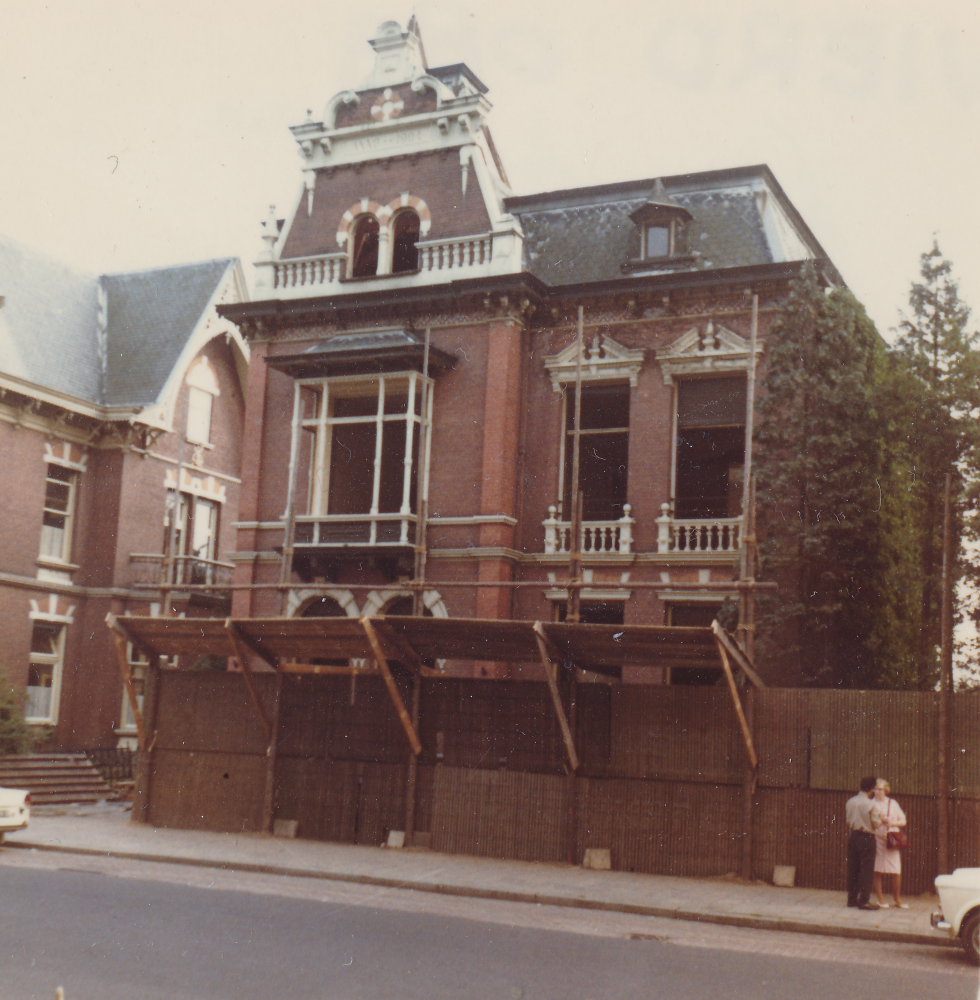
x=830, y=498
x=943, y=366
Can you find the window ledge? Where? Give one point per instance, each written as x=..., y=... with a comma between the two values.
x=200, y=444
x=50, y=562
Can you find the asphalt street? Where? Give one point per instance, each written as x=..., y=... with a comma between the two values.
x=105, y=929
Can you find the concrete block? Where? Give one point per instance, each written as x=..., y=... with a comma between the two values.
x=285, y=828
x=784, y=875
x=597, y=858
x=396, y=838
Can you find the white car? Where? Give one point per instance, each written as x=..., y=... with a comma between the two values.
x=15, y=810
x=959, y=909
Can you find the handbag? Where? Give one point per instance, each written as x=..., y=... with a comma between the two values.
x=896, y=839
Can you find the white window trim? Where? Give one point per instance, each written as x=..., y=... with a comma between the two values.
x=57, y=662
x=64, y=558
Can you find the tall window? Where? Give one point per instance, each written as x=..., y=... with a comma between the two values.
x=365, y=240
x=603, y=451
x=195, y=538
x=405, y=234
x=59, y=511
x=710, y=447
x=44, y=671
x=203, y=387
x=139, y=664
x=361, y=444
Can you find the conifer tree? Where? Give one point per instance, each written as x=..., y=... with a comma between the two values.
x=943, y=395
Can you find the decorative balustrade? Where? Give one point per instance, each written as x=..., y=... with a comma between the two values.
x=442, y=255
x=611, y=537
x=689, y=534
x=338, y=530
x=151, y=568
x=310, y=272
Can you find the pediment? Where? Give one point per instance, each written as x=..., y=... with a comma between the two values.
x=602, y=359
x=705, y=349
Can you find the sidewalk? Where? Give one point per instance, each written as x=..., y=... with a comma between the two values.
x=106, y=830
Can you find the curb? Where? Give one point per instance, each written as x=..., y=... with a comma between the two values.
x=570, y=902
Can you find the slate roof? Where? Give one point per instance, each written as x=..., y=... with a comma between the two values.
x=586, y=235
x=151, y=317
x=48, y=322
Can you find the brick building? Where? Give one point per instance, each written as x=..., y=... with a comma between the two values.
x=405, y=228
x=121, y=408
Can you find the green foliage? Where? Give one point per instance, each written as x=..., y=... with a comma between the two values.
x=942, y=393
x=15, y=733
x=832, y=498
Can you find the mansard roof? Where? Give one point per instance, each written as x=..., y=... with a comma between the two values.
x=586, y=235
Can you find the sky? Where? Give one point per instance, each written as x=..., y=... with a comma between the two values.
x=138, y=134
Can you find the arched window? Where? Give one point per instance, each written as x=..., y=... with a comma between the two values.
x=203, y=385
x=364, y=253
x=405, y=234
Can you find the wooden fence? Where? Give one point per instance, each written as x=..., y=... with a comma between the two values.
x=660, y=784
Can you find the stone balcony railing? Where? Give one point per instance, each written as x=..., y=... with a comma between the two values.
x=326, y=274
x=598, y=537
x=690, y=535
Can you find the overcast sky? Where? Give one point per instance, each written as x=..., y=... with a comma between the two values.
x=137, y=134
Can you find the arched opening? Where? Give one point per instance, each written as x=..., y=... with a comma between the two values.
x=364, y=253
x=325, y=607
x=405, y=234
x=403, y=606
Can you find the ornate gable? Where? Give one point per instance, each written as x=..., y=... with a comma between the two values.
x=699, y=352
x=603, y=359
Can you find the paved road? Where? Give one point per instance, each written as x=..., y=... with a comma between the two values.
x=107, y=929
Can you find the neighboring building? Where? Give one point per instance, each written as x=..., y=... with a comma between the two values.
x=406, y=223
x=121, y=402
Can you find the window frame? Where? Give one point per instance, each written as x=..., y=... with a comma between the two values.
x=355, y=242
x=393, y=225
x=67, y=531
x=56, y=661
x=320, y=426
x=199, y=416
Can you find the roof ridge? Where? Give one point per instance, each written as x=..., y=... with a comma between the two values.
x=169, y=267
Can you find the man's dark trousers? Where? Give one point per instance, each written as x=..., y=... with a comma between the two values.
x=860, y=867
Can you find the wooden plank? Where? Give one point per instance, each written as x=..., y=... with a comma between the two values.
x=396, y=697
x=113, y=622
x=550, y=672
x=119, y=640
x=743, y=724
x=733, y=650
x=327, y=669
x=242, y=656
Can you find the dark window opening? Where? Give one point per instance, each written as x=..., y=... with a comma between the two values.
x=697, y=616
x=603, y=451
x=710, y=447
x=364, y=260
x=405, y=234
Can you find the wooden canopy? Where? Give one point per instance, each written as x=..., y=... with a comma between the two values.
x=301, y=645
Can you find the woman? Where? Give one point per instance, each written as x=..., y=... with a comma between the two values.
x=887, y=861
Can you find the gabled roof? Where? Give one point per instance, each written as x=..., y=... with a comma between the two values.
x=151, y=316
x=49, y=322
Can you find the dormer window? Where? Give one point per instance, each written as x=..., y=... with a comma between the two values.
x=661, y=222
x=406, y=230
x=364, y=247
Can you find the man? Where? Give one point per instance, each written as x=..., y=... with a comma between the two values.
x=861, y=846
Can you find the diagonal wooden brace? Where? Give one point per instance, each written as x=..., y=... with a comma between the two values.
x=737, y=654
x=241, y=653
x=743, y=723
x=382, y=660
x=120, y=639
x=551, y=674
